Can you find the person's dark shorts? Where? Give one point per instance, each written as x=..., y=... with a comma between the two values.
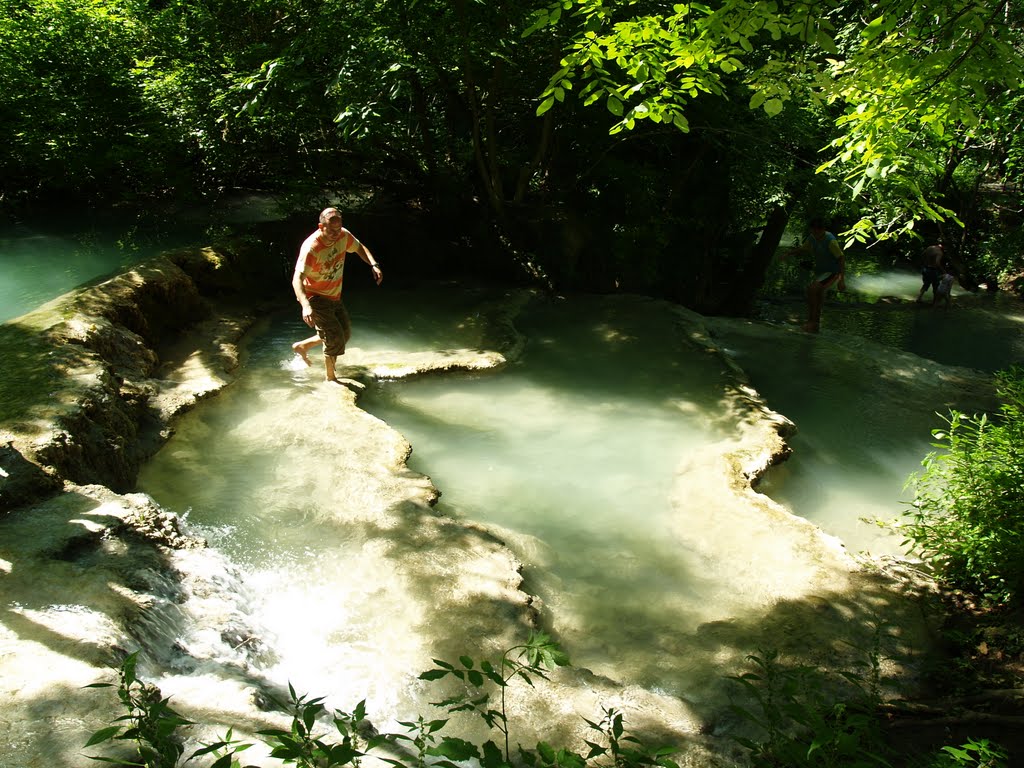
x=332, y=324
x=930, y=277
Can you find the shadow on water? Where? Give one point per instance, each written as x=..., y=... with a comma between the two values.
x=43, y=259
x=978, y=330
x=982, y=332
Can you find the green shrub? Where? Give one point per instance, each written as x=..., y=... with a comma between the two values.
x=810, y=718
x=802, y=723
x=967, y=517
x=148, y=721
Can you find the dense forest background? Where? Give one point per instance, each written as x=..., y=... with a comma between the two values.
x=589, y=144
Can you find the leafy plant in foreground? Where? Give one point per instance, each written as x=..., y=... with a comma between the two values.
x=802, y=724
x=150, y=722
x=965, y=519
x=154, y=726
x=224, y=751
x=539, y=655
x=976, y=753
x=532, y=659
x=301, y=746
x=624, y=749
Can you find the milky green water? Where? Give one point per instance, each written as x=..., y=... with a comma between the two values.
x=571, y=455
x=574, y=455
x=39, y=262
x=38, y=267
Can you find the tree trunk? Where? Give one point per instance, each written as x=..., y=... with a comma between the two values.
x=749, y=281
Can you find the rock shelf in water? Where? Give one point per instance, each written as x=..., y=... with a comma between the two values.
x=92, y=572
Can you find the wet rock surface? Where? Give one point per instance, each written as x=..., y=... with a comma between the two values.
x=93, y=572
x=105, y=376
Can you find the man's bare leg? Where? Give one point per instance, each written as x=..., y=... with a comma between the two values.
x=301, y=348
x=329, y=367
x=815, y=302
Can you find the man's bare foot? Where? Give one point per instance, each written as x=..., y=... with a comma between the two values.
x=300, y=350
x=357, y=385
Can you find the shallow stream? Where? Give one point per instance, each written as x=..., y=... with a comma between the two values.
x=586, y=456
x=595, y=456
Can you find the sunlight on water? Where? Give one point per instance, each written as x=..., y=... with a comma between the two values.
x=338, y=624
x=330, y=577
x=572, y=455
x=863, y=423
x=848, y=500
x=903, y=284
x=598, y=457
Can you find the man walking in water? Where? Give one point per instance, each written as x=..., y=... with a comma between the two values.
x=932, y=271
x=317, y=285
x=829, y=270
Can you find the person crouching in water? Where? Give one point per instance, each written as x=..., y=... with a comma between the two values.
x=829, y=264
x=317, y=285
x=944, y=289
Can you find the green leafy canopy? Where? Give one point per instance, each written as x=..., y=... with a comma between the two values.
x=906, y=82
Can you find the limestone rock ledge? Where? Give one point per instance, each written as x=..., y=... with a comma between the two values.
x=91, y=571
x=96, y=375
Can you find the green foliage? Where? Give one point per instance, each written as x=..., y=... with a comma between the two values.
x=68, y=88
x=302, y=746
x=120, y=98
x=650, y=66
x=804, y=722
x=528, y=661
x=623, y=749
x=149, y=721
x=914, y=87
x=384, y=95
x=979, y=753
x=1000, y=252
x=156, y=728
x=807, y=717
x=797, y=710
x=224, y=751
x=965, y=518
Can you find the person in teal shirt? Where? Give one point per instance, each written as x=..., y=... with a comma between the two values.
x=829, y=264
